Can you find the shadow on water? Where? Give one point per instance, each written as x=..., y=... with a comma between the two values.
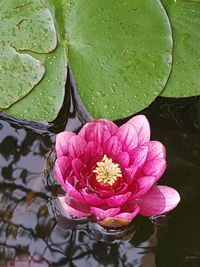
x=29, y=234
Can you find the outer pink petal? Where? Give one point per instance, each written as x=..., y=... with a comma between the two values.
x=118, y=200
x=138, y=155
x=155, y=167
x=77, y=146
x=112, y=146
x=111, y=126
x=95, y=131
x=128, y=215
x=62, y=169
x=123, y=159
x=102, y=214
x=143, y=185
x=92, y=199
x=158, y=200
x=128, y=136
x=72, y=191
x=74, y=208
x=142, y=127
x=156, y=150
x=62, y=143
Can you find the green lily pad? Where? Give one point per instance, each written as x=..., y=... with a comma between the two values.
x=119, y=52
x=184, y=80
x=27, y=25
x=18, y=75
x=45, y=100
x=166, y=3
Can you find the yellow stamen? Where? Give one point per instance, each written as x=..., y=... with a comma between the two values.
x=107, y=171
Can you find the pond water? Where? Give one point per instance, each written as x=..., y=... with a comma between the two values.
x=29, y=233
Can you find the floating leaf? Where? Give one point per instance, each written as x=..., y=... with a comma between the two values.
x=120, y=55
x=18, y=75
x=184, y=80
x=166, y=3
x=27, y=25
x=44, y=102
x=119, y=52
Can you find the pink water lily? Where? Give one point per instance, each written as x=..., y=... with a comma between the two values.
x=109, y=173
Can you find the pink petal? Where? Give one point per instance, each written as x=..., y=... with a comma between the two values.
x=112, y=146
x=79, y=170
x=62, y=143
x=93, y=150
x=128, y=215
x=62, y=169
x=74, y=208
x=156, y=150
x=142, y=127
x=105, y=194
x=95, y=131
x=155, y=167
x=128, y=136
x=92, y=199
x=71, y=190
x=133, y=188
x=143, y=185
x=77, y=146
x=122, y=190
x=123, y=159
x=118, y=200
x=158, y=200
x=130, y=173
x=111, y=126
x=102, y=214
x=138, y=156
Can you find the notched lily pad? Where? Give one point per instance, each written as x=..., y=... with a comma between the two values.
x=45, y=101
x=120, y=54
x=184, y=79
x=27, y=25
x=166, y=3
x=19, y=73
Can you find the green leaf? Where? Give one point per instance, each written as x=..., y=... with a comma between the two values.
x=27, y=25
x=45, y=100
x=119, y=52
x=166, y=3
x=18, y=75
x=184, y=80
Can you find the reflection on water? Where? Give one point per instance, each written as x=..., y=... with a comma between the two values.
x=30, y=235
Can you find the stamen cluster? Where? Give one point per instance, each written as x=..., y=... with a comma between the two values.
x=107, y=171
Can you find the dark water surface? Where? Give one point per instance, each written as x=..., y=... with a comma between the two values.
x=29, y=234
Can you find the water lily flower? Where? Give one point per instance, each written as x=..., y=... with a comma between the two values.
x=109, y=173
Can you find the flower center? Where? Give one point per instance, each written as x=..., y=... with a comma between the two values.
x=107, y=173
